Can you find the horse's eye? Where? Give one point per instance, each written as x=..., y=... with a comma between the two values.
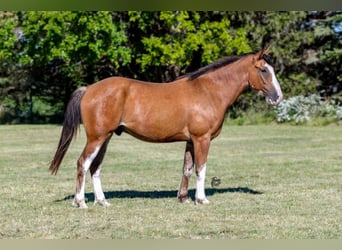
x=263, y=70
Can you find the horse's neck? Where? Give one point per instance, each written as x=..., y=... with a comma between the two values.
x=232, y=79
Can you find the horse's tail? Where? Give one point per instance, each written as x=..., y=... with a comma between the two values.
x=71, y=124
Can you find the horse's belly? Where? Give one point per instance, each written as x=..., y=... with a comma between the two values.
x=156, y=132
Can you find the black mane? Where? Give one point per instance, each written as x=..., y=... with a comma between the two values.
x=220, y=63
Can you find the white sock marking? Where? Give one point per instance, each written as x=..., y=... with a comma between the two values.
x=99, y=195
x=200, y=193
x=86, y=166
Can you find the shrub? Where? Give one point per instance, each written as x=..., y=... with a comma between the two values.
x=300, y=109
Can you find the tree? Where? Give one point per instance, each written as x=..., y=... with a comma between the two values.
x=326, y=58
x=10, y=93
x=59, y=51
x=168, y=44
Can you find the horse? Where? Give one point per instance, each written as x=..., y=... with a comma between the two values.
x=191, y=108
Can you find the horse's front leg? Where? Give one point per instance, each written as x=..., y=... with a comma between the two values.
x=188, y=165
x=201, y=149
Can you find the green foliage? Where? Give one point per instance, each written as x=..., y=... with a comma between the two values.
x=7, y=42
x=80, y=39
x=328, y=32
x=184, y=34
x=297, y=84
x=55, y=52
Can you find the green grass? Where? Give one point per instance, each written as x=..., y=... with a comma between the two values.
x=277, y=182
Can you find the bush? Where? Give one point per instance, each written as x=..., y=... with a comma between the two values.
x=5, y=114
x=300, y=109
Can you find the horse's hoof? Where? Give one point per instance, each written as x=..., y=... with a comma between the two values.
x=79, y=203
x=184, y=200
x=202, y=201
x=103, y=203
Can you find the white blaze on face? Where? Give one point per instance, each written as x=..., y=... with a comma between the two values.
x=276, y=86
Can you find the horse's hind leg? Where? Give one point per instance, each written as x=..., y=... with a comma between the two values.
x=86, y=159
x=95, y=171
x=188, y=166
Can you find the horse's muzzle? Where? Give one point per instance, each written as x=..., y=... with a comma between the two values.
x=274, y=98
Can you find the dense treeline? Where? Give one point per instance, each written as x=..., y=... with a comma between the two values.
x=45, y=56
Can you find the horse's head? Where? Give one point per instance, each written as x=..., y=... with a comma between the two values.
x=262, y=78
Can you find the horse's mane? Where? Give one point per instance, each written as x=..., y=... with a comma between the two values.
x=220, y=63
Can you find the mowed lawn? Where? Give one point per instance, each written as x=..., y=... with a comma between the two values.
x=277, y=182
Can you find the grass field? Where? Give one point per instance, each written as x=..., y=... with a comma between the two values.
x=277, y=182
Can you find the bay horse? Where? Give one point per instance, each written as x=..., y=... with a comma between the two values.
x=191, y=109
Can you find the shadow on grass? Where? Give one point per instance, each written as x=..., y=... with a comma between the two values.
x=132, y=194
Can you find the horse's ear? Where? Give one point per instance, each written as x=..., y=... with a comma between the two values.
x=264, y=51
x=258, y=56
